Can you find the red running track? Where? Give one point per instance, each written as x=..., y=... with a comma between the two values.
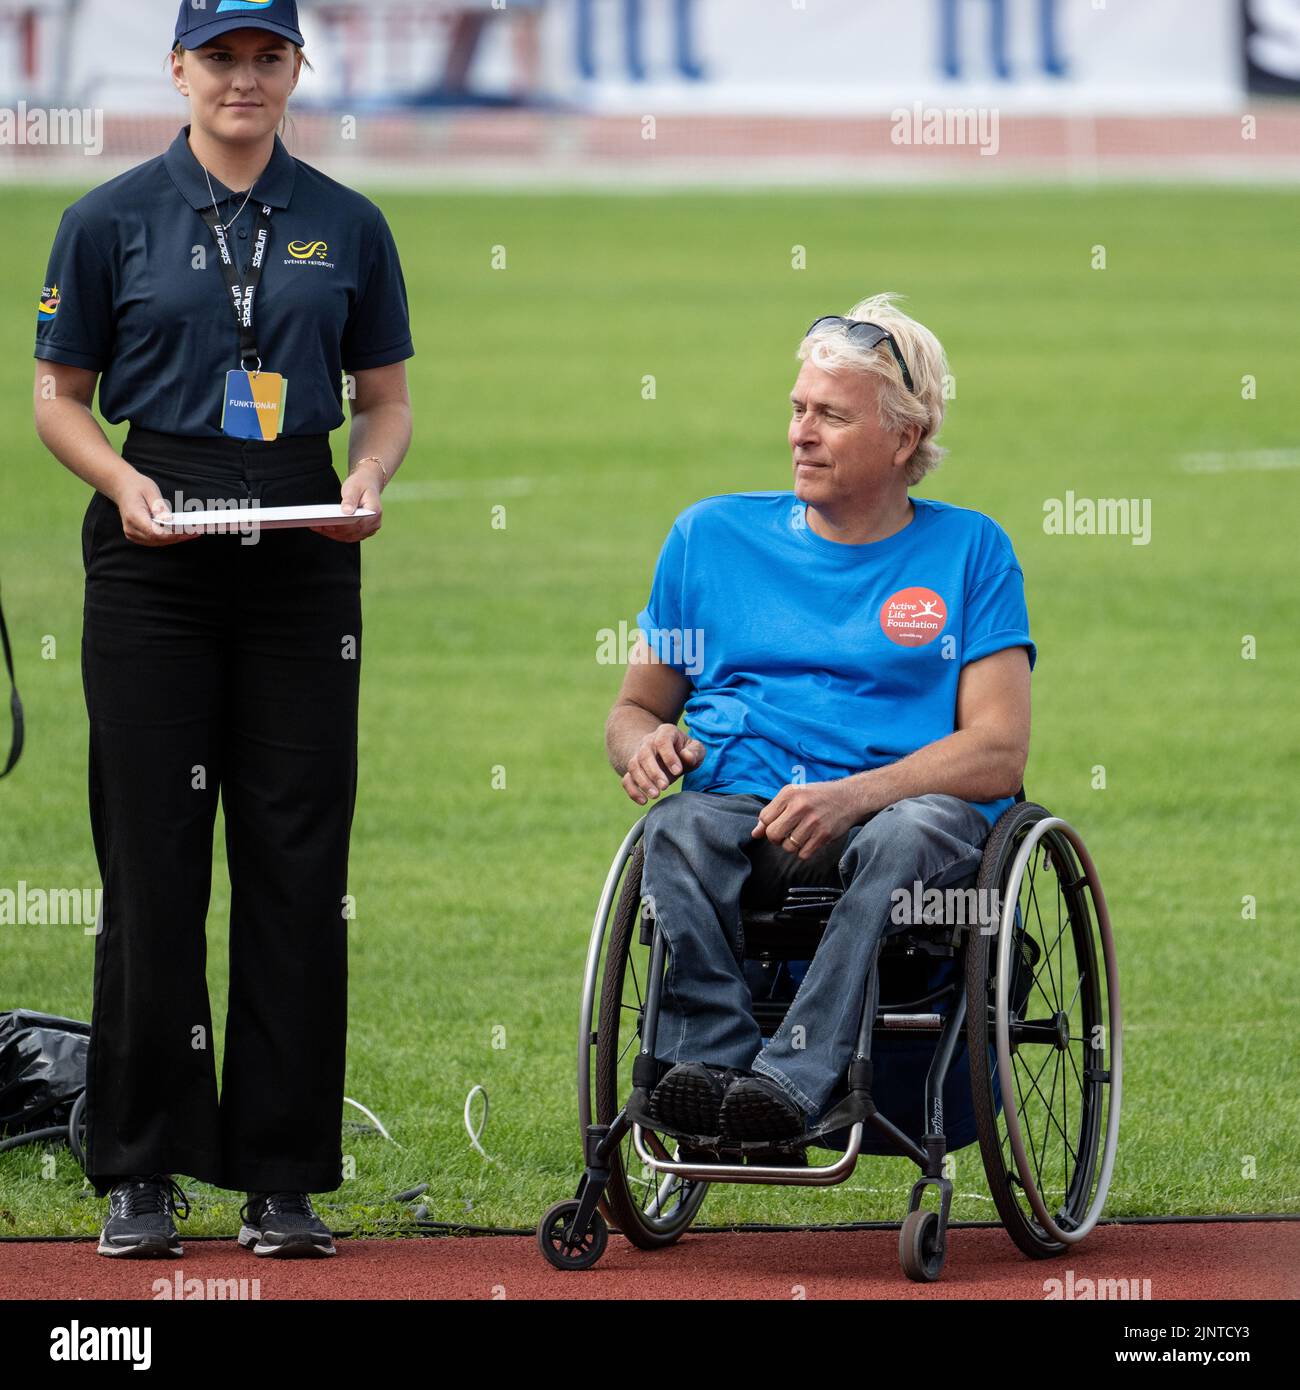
x=1248, y=1259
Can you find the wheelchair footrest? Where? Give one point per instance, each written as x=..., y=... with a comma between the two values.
x=855, y=1106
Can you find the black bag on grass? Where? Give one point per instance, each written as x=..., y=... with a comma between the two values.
x=42, y=1070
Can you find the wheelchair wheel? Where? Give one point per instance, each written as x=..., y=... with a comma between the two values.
x=918, y=1251
x=650, y=1212
x=1044, y=1032
x=560, y=1249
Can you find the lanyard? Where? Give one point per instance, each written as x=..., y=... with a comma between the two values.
x=241, y=295
x=15, y=704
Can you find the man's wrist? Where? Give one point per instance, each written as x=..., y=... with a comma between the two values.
x=866, y=792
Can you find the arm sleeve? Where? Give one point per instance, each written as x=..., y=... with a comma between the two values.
x=996, y=616
x=74, y=317
x=662, y=615
x=378, y=330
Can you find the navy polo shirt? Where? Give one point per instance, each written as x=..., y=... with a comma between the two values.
x=134, y=291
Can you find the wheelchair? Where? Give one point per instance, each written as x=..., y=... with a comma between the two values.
x=1004, y=1030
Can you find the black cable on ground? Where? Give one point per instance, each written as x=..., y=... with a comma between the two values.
x=422, y=1229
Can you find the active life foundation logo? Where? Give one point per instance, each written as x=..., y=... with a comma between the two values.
x=48, y=304
x=913, y=617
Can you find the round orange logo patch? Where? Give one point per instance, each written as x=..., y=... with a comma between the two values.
x=913, y=617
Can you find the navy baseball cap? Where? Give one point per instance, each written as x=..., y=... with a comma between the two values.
x=200, y=23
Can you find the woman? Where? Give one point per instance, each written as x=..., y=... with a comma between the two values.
x=212, y=665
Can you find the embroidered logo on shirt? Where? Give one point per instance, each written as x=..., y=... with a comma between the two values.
x=48, y=304
x=310, y=253
x=913, y=617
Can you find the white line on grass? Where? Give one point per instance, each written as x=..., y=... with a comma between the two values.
x=1244, y=460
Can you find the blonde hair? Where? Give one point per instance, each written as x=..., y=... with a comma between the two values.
x=179, y=47
x=927, y=364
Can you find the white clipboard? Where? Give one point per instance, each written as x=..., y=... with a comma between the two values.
x=264, y=518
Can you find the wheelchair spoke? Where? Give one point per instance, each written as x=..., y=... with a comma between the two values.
x=1046, y=1058
x=1067, y=1152
x=1028, y=1129
x=1074, y=1068
x=1074, y=997
x=1053, y=1004
x=1033, y=898
x=1064, y=1137
x=1035, y=983
x=1065, y=1106
x=1036, y=977
x=1056, y=942
x=1050, y=949
x=1050, y=1116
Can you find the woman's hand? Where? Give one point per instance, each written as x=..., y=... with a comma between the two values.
x=361, y=488
x=139, y=502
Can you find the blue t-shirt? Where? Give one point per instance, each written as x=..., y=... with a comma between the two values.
x=811, y=660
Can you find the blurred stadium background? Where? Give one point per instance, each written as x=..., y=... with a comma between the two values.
x=738, y=89
x=591, y=193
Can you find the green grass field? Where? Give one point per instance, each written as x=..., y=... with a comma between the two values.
x=474, y=903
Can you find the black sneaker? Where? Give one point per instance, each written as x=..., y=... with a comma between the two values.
x=140, y=1221
x=284, y=1224
x=756, y=1108
x=688, y=1100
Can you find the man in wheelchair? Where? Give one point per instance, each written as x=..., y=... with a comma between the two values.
x=854, y=667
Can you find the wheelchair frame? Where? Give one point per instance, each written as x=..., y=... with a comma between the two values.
x=573, y=1234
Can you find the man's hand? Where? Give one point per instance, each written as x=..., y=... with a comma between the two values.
x=801, y=819
x=658, y=761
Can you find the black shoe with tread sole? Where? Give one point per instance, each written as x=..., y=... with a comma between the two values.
x=688, y=1099
x=139, y=1224
x=283, y=1224
x=756, y=1108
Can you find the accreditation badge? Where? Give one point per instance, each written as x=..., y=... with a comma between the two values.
x=254, y=404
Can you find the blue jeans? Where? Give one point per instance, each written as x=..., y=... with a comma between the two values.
x=698, y=858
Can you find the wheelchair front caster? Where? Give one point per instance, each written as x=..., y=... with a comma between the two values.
x=566, y=1249
x=917, y=1246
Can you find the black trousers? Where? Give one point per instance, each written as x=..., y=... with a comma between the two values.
x=216, y=667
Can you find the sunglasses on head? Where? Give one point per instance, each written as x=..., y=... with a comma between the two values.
x=869, y=335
